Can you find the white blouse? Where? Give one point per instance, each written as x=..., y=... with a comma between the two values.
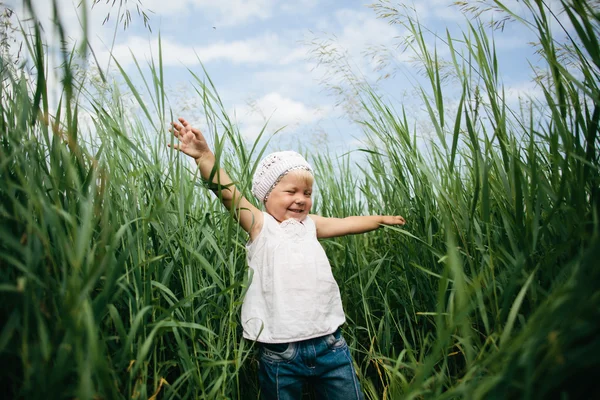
x=292, y=294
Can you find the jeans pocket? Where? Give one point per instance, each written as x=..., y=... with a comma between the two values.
x=276, y=347
x=278, y=351
x=336, y=341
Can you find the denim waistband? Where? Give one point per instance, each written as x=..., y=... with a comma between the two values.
x=279, y=347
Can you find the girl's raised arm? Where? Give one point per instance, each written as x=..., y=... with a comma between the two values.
x=193, y=143
x=333, y=227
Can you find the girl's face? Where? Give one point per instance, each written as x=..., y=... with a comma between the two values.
x=291, y=197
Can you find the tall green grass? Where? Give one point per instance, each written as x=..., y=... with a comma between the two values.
x=122, y=276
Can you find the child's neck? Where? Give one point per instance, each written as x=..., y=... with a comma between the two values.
x=280, y=222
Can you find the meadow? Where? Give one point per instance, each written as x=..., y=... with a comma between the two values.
x=122, y=276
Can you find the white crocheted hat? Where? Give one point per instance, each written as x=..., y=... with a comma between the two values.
x=272, y=168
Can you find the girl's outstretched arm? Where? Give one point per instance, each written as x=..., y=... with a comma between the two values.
x=332, y=227
x=193, y=143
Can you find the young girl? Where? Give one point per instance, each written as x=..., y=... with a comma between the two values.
x=292, y=307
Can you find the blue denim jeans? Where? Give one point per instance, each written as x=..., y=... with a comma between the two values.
x=324, y=363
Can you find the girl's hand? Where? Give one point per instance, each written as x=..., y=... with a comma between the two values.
x=393, y=220
x=191, y=140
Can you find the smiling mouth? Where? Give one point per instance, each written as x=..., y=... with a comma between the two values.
x=296, y=211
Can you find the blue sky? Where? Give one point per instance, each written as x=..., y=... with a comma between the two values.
x=260, y=56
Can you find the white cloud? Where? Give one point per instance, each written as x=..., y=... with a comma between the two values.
x=261, y=49
x=506, y=41
x=358, y=46
x=360, y=30
x=230, y=12
x=278, y=110
x=522, y=92
x=171, y=7
x=438, y=9
x=265, y=49
x=70, y=17
x=288, y=81
x=293, y=55
x=70, y=14
x=222, y=13
x=298, y=6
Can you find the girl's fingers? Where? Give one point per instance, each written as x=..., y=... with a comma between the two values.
x=177, y=134
x=175, y=127
x=399, y=220
x=181, y=129
x=189, y=128
x=186, y=133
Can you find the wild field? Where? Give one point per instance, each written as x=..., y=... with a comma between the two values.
x=122, y=276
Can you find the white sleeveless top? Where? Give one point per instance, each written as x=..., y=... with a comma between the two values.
x=292, y=294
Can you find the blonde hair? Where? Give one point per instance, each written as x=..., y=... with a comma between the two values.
x=303, y=174
x=300, y=173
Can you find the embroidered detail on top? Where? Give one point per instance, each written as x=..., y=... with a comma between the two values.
x=293, y=228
